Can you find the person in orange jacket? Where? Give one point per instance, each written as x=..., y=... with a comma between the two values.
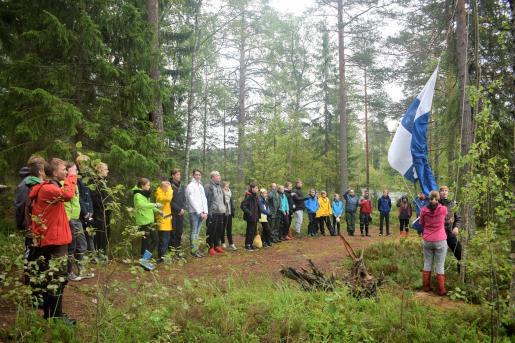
x=51, y=233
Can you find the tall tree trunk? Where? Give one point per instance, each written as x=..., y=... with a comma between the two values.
x=191, y=95
x=367, y=167
x=204, y=124
x=225, y=141
x=153, y=18
x=344, y=172
x=512, y=293
x=241, y=99
x=466, y=119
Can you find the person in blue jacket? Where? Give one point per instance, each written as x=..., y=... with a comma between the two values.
x=384, y=205
x=337, y=212
x=311, y=204
x=418, y=203
x=351, y=206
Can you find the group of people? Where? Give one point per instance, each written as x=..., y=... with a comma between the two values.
x=54, y=208
x=64, y=217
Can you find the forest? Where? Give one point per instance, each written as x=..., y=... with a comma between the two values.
x=264, y=91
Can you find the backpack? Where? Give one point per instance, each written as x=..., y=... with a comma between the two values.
x=29, y=204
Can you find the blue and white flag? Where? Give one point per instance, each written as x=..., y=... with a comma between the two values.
x=408, y=151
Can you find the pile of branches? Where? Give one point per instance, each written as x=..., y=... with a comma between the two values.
x=359, y=281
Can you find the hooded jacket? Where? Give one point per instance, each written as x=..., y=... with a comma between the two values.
x=165, y=199
x=433, y=223
x=144, y=209
x=337, y=208
x=72, y=206
x=284, y=207
x=324, y=207
x=311, y=204
x=50, y=224
x=215, y=198
x=365, y=206
x=274, y=201
x=21, y=196
x=250, y=207
x=351, y=202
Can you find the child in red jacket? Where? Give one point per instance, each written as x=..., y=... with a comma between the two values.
x=52, y=233
x=365, y=211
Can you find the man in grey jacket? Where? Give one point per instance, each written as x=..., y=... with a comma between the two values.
x=216, y=207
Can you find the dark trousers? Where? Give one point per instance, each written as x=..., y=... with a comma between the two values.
x=52, y=296
x=150, y=240
x=275, y=227
x=215, y=226
x=102, y=233
x=350, y=218
x=336, y=225
x=454, y=246
x=312, y=225
x=77, y=247
x=227, y=229
x=178, y=226
x=267, y=233
x=364, y=221
x=384, y=217
x=284, y=224
x=250, y=233
x=404, y=224
x=325, y=220
x=164, y=242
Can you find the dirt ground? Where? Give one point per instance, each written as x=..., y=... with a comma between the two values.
x=327, y=252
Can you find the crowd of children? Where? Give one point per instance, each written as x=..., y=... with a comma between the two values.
x=62, y=215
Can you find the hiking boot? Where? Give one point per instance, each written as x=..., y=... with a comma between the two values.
x=212, y=252
x=65, y=320
x=249, y=248
x=219, y=249
x=233, y=247
x=73, y=277
x=426, y=281
x=440, y=278
x=224, y=245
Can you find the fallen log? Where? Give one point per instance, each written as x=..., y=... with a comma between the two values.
x=359, y=281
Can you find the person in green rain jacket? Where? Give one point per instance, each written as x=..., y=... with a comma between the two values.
x=144, y=214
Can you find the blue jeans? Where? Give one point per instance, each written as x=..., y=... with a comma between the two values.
x=195, y=223
x=164, y=241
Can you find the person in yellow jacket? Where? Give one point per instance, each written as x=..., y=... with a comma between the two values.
x=164, y=196
x=324, y=213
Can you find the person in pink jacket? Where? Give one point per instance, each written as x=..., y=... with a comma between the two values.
x=432, y=219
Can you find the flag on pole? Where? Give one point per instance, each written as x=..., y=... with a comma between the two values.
x=408, y=151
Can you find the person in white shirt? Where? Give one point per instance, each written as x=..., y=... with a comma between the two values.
x=198, y=210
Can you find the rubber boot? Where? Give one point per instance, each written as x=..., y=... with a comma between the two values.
x=441, y=284
x=426, y=281
x=212, y=251
x=219, y=249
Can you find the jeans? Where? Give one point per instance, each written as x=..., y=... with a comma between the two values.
x=434, y=252
x=178, y=226
x=78, y=245
x=299, y=214
x=164, y=241
x=150, y=240
x=384, y=217
x=227, y=229
x=350, y=218
x=195, y=222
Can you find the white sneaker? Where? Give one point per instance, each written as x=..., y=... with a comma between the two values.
x=86, y=275
x=73, y=277
x=233, y=247
x=224, y=245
